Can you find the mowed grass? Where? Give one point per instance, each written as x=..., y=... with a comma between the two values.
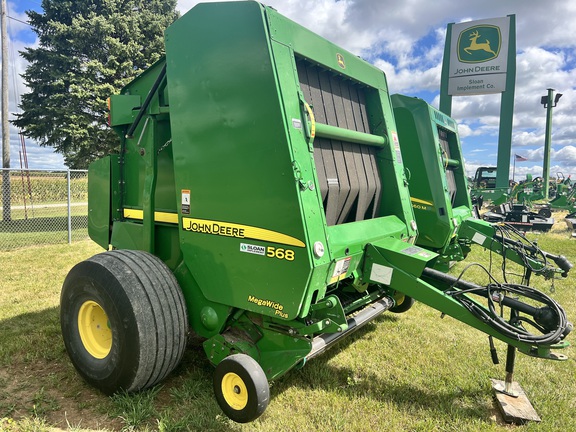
x=43, y=224
x=407, y=372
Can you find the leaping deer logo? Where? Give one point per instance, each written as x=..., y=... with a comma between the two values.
x=475, y=46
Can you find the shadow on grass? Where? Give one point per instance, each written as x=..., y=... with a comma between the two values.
x=438, y=400
x=38, y=380
x=42, y=224
x=38, y=361
x=30, y=336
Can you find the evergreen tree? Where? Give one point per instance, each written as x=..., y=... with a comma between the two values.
x=88, y=50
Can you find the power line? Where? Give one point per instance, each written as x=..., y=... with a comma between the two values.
x=20, y=21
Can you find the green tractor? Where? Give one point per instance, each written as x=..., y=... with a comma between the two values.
x=259, y=199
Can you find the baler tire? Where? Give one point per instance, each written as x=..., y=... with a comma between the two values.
x=136, y=296
x=406, y=304
x=241, y=388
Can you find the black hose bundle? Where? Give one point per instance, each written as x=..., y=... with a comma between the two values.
x=550, y=320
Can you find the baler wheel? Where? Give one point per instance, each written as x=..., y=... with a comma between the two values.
x=123, y=319
x=241, y=388
x=404, y=306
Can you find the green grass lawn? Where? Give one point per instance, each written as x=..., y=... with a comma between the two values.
x=43, y=225
x=407, y=372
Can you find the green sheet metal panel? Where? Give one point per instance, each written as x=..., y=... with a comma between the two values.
x=240, y=148
x=231, y=151
x=99, y=200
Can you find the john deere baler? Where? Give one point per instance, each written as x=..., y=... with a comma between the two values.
x=260, y=199
x=432, y=157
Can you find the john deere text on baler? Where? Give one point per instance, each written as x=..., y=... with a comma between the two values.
x=432, y=157
x=259, y=198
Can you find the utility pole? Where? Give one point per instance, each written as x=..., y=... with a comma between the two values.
x=6, y=201
x=549, y=102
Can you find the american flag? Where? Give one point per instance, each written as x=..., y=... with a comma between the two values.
x=520, y=158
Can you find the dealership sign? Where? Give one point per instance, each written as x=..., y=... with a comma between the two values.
x=478, y=57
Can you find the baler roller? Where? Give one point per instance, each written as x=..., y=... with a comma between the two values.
x=341, y=134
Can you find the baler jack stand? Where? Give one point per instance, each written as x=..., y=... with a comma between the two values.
x=510, y=397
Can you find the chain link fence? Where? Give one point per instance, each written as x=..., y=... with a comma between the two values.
x=42, y=206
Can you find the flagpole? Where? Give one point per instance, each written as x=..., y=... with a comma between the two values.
x=514, y=170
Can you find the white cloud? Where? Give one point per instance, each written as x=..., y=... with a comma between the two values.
x=406, y=40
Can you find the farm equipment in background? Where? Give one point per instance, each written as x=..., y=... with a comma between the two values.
x=260, y=199
x=570, y=220
x=527, y=191
x=484, y=188
x=521, y=217
x=565, y=197
x=432, y=157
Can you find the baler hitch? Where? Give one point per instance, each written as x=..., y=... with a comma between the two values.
x=549, y=320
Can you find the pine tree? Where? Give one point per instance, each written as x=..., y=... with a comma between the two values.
x=88, y=50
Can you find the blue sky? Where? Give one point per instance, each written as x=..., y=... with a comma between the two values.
x=406, y=40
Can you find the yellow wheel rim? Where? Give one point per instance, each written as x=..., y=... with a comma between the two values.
x=234, y=391
x=94, y=328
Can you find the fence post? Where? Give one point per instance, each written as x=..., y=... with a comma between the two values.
x=69, y=208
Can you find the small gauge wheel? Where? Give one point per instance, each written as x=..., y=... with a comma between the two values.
x=241, y=388
x=403, y=304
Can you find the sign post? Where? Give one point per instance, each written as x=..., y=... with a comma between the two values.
x=480, y=58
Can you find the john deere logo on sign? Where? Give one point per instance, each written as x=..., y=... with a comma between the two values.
x=340, y=60
x=479, y=44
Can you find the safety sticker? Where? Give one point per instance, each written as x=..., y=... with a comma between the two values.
x=341, y=267
x=415, y=250
x=479, y=238
x=396, y=142
x=185, y=201
x=252, y=249
x=381, y=274
x=412, y=250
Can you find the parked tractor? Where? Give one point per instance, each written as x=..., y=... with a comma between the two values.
x=260, y=199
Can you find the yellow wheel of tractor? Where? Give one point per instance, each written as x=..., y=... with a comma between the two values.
x=234, y=391
x=241, y=388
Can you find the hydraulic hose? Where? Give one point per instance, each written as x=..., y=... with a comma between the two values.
x=550, y=319
x=560, y=260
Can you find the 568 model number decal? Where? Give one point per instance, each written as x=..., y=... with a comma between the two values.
x=270, y=251
x=280, y=253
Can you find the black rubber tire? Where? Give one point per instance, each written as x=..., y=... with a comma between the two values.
x=406, y=304
x=545, y=212
x=255, y=382
x=146, y=315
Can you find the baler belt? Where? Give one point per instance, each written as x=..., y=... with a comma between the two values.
x=350, y=184
x=450, y=178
